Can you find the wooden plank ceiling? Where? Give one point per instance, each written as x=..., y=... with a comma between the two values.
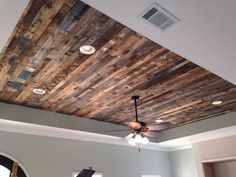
x=43, y=52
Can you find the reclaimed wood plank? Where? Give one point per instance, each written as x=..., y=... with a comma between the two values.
x=43, y=52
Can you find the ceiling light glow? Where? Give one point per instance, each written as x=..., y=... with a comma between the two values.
x=159, y=120
x=39, y=91
x=130, y=136
x=131, y=141
x=87, y=49
x=137, y=138
x=145, y=140
x=217, y=102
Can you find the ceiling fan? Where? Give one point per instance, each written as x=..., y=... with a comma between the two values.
x=140, y=130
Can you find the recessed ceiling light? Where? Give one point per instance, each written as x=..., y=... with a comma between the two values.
x=159, y=120
x=217, y=102
x=39, y=91
x=87, y=49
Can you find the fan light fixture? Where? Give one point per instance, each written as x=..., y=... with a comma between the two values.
x=137, y=138
x=140, y=130
x=87, y=49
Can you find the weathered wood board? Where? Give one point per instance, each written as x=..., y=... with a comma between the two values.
x=43, y=52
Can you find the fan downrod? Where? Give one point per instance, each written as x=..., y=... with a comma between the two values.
x=135, y=97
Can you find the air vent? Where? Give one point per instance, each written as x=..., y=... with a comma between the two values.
x=159, y=17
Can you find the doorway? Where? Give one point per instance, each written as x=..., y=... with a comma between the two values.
x=220, y=168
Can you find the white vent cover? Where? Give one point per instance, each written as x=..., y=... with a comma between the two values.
x=158, y=16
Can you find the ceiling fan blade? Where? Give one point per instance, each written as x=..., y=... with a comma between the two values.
x=160, y=126
x=134, y=125
x=152, y=133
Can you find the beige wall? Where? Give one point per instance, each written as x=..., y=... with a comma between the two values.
x=218, y=149
x=225, y=169
x=214, y=150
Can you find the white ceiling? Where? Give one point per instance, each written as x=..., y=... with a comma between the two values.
x=10, y=12
x=187, y=141
x=206, y=34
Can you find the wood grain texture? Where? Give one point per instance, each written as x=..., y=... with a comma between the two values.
x=45, y=44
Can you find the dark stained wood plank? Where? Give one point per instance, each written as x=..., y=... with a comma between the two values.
x=43, y=52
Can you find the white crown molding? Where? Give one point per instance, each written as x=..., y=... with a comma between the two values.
x=40, y=130
x=219, y=159
x=187, y=141
x=171, y=145
x=25, y=120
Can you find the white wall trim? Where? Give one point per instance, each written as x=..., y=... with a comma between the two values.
x=195, y=129
x=26, y=120
x=179, y=148
x=171, y=145
x=219, y=159
x=40, y=130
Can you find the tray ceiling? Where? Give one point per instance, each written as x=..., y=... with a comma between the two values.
x=43, y=53
x=210, y=31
